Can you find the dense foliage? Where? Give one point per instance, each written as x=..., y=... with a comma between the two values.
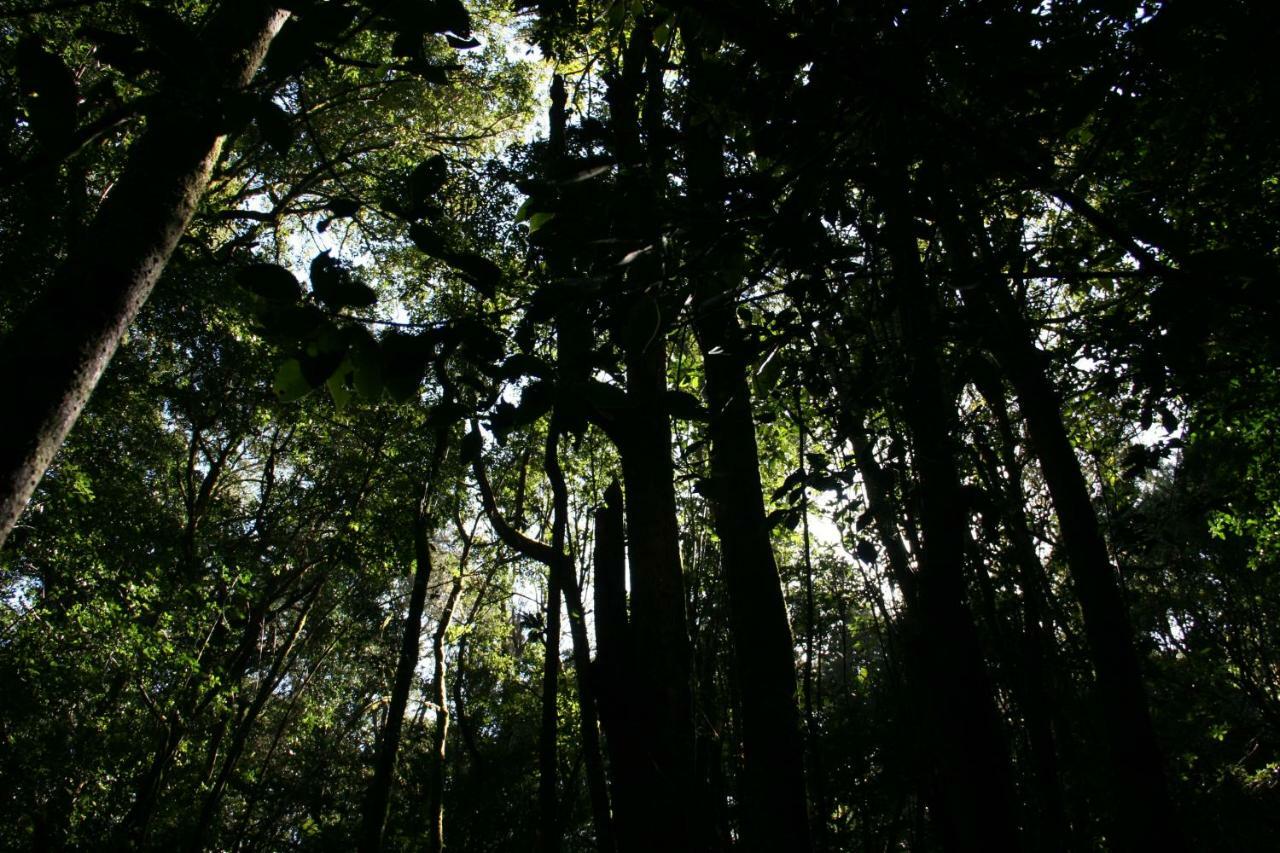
x=624, y=425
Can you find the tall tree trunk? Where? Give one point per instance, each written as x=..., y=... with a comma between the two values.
x=975, y=787
x=812, y=655
x=58, y=349
x=1143, y=816
x=613, y=667
x=213, y=799
x=587, y=709
x=377, y=797
x=1053, y=831
x=672, y=819
x=562, y=580
x=435, y=818
x=573, y=345
x=774, y=810
x=548, y=757
x=1143, y=809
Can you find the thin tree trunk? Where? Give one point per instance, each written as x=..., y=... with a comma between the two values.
x=975, y=785
x=663, y=672
x=548, y=757
x=59, y=347
x=1143, y=815
x=614, y=664
x=563, y=581
x=588, y=721
x=817, y=776
x=209, y=809
x=573, y=343
x=1053, y=831
x=435, y=820
x=377, y=797
x=1143, y=808
x=772, y=787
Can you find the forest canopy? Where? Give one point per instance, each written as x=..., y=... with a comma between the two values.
x=623, y=425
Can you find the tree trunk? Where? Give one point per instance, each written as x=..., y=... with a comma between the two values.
x=588, y=721
x=435, y=820
x=377, y=797
x=209, y=809
x=548, y=758
x=1143, y=810
x=821, y=807
x=672, y=820
x=1053, y=831
x=774, y=809
x=613, y=667
x=975, y=787
x=1143, y=814
x=57, y=350
x=561, y=580
x=573, y=345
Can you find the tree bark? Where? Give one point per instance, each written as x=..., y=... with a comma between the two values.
x=548, y=757
x=1052, y=831
x=614, y=660
x=58, y=349
x=435, y=819
x=1143, y=815
x=563, y=581
x=672, y=820
x=377, y=797
x=213, y=799
x=975, y=787
x=573, y=345
x=587, y=709
x=774, y=809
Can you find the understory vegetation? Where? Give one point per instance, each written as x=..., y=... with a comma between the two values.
x=640, y=425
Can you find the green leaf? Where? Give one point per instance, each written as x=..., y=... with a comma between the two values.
x=170, y=35
x=366, y=366
x=321, y=359
x=522, y=364
x=288, y=323
x=272, y=282
x=337, y=385
x=428, y=241
x=343, y=207
x=333, y=284
x=793, y=479
x=289, y=383
x=427, y=179
x=275, y=126
x=408, y=44
x=119, y=50
x=604, y=396
x=767, y=374
x=471, y=445
x=404, y=358
x=535, y=401
x=453, y=17
x=462, y=44
x=537, y=220
x=483, y=273
x=51, y=93
x=685, y=406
